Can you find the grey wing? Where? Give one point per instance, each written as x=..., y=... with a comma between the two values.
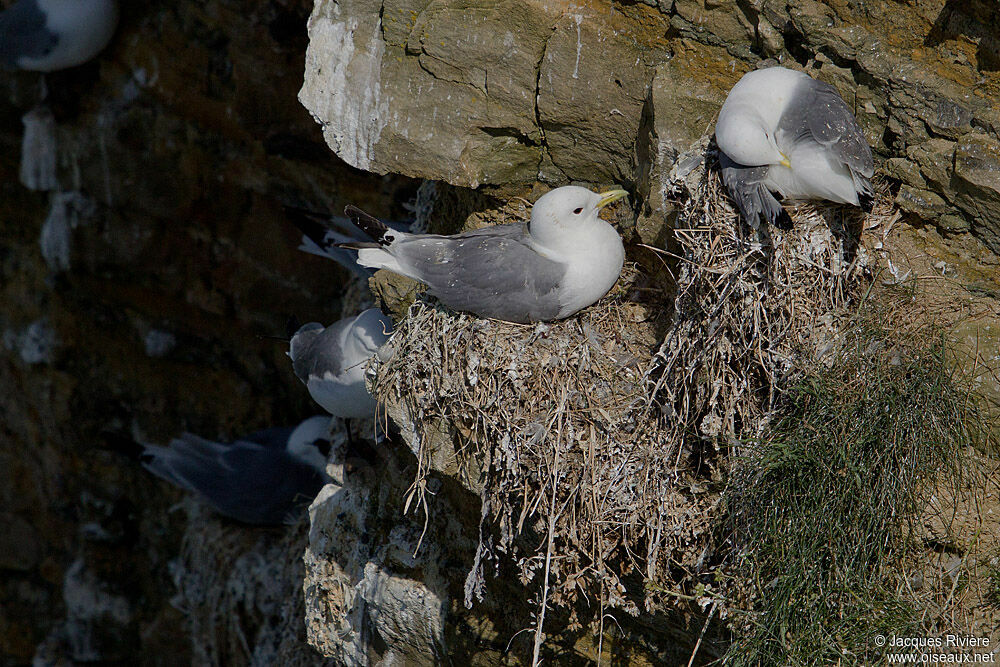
x=753, y=199
x=817, y=110
x=23, y=33
x=245, y=481
x=317, y=351
x=491, y=272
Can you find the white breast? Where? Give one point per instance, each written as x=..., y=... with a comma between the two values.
x=592, y=269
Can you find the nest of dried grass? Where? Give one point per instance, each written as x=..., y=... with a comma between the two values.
x=589, y=440
x=752, y=309
x=553, y=427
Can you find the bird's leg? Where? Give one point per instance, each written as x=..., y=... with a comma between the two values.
x=350, y=455
x=350, y=435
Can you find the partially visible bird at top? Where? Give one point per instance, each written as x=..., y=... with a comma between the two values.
x=561, y=261
x=50, y=35
x=331, y=361
x=266, y=478
x=783, y=131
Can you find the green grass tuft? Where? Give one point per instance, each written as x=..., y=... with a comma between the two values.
x=820, y=510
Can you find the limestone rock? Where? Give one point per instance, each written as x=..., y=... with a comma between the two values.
x=904, y=170
x=502, y=93
x=934, y=158
x=684, y=98
x=923, y=203
x=393, y=292
x=721, y=24
x=953, y=224
x=592, y=82
x=373, y=571
x=397, y=89
x=977, y=168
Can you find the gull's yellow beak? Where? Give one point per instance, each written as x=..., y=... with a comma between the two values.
x=610, y=196
x=784, y=161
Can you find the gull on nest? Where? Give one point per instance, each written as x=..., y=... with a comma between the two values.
x=331, y=361
x=561, y=261
x=783, y=131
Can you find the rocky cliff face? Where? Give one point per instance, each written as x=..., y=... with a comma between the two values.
x=507, y=95
x=134, y=287
x=511, y=97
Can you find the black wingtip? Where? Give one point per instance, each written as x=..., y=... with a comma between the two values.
x=370, y=225
x=358, y=245
x=866, y=202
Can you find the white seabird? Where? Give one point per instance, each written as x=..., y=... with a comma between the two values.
x=562, y=261
x=783, y=131
x=266, y=478
x=50, y=35
x=331, y=361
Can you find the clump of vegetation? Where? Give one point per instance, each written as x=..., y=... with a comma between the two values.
x=822, y=509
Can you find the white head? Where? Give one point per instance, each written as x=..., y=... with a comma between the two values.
x=744, y=136
x=84, y=28
x=310, y=442
x=557, y=214
x=373, y=325
x=296, y=341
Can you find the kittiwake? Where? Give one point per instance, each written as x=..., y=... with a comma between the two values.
x=50, y=35
x=783, y=131
x=266, y=478
x=331, y=361
x=561, y=261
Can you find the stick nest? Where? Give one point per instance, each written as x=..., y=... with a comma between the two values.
x=599, y=444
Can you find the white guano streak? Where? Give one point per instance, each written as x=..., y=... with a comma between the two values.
x=342, y=86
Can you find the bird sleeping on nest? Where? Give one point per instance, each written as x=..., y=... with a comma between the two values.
x=563, y=260
x=783, y=131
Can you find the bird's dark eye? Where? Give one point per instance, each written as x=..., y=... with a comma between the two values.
x=578, y=211
x=323, y=446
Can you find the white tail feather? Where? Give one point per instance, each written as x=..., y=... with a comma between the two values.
x=378, y=258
